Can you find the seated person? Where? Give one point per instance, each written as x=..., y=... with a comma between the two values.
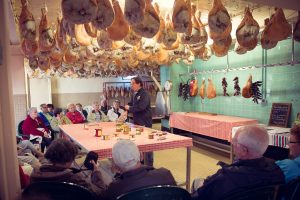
x=291, y=167
x=96, y=115
x=249, y=170
x=59, y=119
x=116, y=113
x=27, y=153
x=50, y=109
x=33, y=125
x=82, y=112
x=134, y=175
x=73, y=114
x=60, y=156
x=104, y=106
x=45, y=115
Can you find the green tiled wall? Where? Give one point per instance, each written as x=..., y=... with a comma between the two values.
x=282, y=83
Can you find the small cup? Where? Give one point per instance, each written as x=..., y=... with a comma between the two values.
x=150, y=136
x=105, y=137
x=98, y=132
x=137, y=131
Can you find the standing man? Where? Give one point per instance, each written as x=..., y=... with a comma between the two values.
x=140, y=107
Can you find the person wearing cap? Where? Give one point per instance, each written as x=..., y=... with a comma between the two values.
x=133, y=175
x=116, y=113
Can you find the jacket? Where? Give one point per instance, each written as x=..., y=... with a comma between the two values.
x=62, y=121
x=49, y=172
x=239, y=176
x=30, y=126
x=75, y=117
x=138, y=178
x=140, y=107
x=92, y=116
x=113, y=116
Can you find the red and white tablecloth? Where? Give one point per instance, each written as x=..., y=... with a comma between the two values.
x=86, y=138
x=217, y=126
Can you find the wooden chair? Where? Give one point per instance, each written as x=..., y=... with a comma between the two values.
x=161, y=192
x=56, y=191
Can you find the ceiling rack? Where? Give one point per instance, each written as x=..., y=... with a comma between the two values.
x=238, y=68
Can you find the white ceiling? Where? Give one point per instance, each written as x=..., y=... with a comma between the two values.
x=261, y=9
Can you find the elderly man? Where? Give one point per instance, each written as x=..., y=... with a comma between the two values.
x=126, y=157
x=116, y=113
x=249, y=170
x=291, y=167
x=96, y=115
x=45, y=116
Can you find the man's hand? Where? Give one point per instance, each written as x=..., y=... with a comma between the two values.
x=95, y=167
x=127, y=107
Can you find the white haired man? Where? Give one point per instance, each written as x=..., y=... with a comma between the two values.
x=134, y=175
x=249, y=170
x=116, y=113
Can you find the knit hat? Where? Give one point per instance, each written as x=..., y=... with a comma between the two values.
x=125, y=154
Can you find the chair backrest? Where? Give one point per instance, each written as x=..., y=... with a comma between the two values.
x=269, y=192
x=56, y=191
x=20, y=130
x=161, y=192
x=291, y=190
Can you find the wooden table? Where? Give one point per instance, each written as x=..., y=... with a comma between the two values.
x=84, y=135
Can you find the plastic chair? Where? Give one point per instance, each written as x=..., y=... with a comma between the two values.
x=161, y=192
x=291, y=190
x=56, y=191
x=269, y=192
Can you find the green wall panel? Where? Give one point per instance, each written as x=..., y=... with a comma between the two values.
x=282, y=82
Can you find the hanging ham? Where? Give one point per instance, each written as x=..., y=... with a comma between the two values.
x=79, y=11
x=266, y=43
x=297, y=29
x=203, y=33
x=221, y=47
x=182, y=16
x=90, y=30
x=195, y=36
x=104, y=16
x=246, y=92
x=239, y=49
x=202, y=89
x=278, y=28
x=119, y=28
x=132, y=38
x=81, y=35
x=29, y=47
x=193, y=87
x=247, y=31
x=219, y=21
x=161, y=32
x=46, y=35
x=103, y=40
x=149, y=27
x=27, y=25
x=211, y=90
x=60, y=36
x=134, y=11
x=170, y=39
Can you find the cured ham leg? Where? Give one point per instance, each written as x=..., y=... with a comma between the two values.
x=247, y=31
x=104, y=16
x=278, y=28
x=134, y=11
x=46, y=35
x=211, y=90
x=219, y=21
x=202, y=89
x=27, y=25
x=221, y=47
x=150, y=25
x=181, y=18
x=170, y=36
x=266, y=43
x=79, y=11
x=246, y=92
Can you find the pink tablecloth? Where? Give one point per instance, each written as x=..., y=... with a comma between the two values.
x=217, y=126
x=87, y=139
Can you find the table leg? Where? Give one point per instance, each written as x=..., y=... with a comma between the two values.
x=188, y=168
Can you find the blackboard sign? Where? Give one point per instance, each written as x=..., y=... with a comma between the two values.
x=280, y=114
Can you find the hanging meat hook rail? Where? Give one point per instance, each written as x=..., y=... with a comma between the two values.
x=240, y=68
